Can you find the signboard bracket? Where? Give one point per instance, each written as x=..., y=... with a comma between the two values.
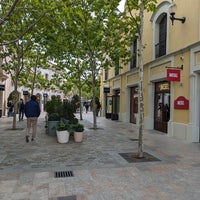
x=178, y=67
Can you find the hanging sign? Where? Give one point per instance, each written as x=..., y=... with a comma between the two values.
x=181, y=103
x=106, y=90
x=25, y=92
x=45, y=95
x=173, y=75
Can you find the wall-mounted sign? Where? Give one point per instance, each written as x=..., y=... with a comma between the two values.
x=2, y=87
x=162, y=87
x=25, y=92
x=45, y=95
x=181, y=103
x=173, y=75
x=106, y=90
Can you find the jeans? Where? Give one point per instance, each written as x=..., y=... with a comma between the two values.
x=21, y=115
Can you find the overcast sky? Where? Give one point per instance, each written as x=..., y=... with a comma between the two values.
x=121, y=5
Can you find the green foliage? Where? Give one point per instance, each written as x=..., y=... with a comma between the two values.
x=61, y=126
x=12, y=97
x=76, y=102
x=78, y=127
x=53, y=117
x=54, y=105
x=67, y=111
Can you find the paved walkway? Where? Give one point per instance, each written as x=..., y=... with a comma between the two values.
x=99, y=172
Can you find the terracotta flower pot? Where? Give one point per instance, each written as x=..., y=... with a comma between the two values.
x=78, y=136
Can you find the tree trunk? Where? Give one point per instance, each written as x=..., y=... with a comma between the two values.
x=140, y=84
x=15, y=106
x=81, y=110
x=94, y=110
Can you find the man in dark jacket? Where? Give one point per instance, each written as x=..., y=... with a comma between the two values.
x=32, y=112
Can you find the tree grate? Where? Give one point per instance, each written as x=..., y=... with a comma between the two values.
x=63, y=174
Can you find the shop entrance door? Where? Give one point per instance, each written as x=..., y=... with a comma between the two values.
x=112, y=107
x=115, y=107
x=108, y=107
x=133, y=104
x=162, y=106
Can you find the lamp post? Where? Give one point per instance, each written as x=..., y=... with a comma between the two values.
x=172, y=13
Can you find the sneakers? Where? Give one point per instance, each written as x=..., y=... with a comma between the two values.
x=27, y=138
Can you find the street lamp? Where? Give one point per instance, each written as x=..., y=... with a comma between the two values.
x=172, y=13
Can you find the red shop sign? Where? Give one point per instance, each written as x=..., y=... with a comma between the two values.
x=181, y=103
x=173, y=75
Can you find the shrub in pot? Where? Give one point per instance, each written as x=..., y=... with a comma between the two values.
x=54, y=105
x=78, y=132
x=62, y=132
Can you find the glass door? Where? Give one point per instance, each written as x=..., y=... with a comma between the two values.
x=108, y=107
x=133, y=105
x=162, y=107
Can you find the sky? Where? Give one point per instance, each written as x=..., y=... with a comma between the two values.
x=121, y=5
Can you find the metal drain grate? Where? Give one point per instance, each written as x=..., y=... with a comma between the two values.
x=67, y=198
x=62, y=174
x=133, y=139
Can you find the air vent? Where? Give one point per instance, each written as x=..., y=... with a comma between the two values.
x=63, y=174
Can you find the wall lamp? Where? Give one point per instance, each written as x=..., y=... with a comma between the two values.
x=172, y=9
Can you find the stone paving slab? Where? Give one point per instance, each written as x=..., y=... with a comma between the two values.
x=100, y=173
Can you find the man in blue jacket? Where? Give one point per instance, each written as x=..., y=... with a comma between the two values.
x=32, y=112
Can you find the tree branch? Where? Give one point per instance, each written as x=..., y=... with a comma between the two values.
x=2, y=20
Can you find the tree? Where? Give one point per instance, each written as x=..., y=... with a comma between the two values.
x=34, y=60
x=90, y=31
x=16, y=35
x=134, y=17
x=8, y=11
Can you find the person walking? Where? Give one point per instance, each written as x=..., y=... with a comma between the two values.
x=32, y=112
x=21, y=109
x=10, y=106
x=86, y=107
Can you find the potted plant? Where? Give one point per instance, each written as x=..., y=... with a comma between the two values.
x=52, y=122
x=78, y=132
x=62, y=132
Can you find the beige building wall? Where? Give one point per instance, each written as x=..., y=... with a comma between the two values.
x=182, y=49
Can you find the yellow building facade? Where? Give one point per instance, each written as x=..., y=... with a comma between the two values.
x=171, y=74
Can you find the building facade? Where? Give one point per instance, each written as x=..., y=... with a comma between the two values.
x=43, y=95
x=171, y=74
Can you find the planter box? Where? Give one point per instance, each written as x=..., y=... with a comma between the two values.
x=51, y=127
